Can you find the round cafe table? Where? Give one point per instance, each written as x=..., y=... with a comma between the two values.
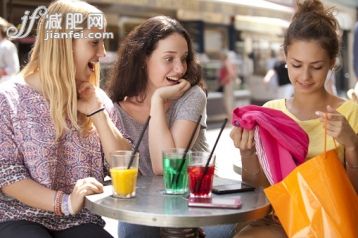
x=152, y=207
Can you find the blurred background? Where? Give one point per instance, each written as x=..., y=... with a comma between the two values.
x=251, y=30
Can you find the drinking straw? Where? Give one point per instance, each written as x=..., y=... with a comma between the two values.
x=138, y=142
x=176, y=178
x=198, y=184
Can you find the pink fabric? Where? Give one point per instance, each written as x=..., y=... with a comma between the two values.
x=281, y=144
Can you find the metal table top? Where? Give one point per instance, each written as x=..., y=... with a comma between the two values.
x=152, y=207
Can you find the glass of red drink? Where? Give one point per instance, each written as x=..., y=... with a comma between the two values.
x=200, y=176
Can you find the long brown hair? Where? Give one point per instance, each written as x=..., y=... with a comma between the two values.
x=129, y=75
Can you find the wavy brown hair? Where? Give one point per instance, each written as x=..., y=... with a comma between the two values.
x=129, y=75
x=312, y=21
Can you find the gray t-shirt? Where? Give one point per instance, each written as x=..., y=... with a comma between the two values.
x=189, y=107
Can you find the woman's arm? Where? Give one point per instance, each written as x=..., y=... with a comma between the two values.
x=338, y=127
x=35, y=195
x=252, y=172
x=351, y=155
x=160, y=136
x=27, y=191
x=110, y=136
x=251, y=168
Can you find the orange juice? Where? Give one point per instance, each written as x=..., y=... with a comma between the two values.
x=124, y=181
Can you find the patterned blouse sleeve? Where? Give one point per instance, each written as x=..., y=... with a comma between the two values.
x=12, y=167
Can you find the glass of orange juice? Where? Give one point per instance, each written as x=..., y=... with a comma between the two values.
x=124, y=179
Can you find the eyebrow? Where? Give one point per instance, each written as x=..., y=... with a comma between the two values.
x=315, y=62
x=171, y=51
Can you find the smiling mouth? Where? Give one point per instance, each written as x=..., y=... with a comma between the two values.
x=306, y=84
x=173, y=80
x=91, y=66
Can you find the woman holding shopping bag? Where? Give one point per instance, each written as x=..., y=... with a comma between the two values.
x=311, y=45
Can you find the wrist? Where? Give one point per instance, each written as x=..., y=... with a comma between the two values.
x=350, y=165
x=248, y=153
x=70, y=209
x=65, y=204
x=157, y=98
x=353, y=146
x=58, y=203
x=157, y=105
x=93, y=113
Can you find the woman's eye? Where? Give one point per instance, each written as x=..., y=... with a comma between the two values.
x=296, y=65
x=317, y=67
x=169, y=59
x=95, y=42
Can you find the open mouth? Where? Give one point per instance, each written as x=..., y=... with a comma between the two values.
x=91, y=66
x=172, y=79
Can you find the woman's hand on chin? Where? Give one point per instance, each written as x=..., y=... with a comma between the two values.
x=172, y=92
x=88, y=98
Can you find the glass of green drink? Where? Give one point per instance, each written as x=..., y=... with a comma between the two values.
x=175, y=171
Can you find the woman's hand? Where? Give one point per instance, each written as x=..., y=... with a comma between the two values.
x=84, y=187
x=353, y=93
x=172, y=92
x=337, y=127
x=354, y=97
x=243, y=139
x=88, y=99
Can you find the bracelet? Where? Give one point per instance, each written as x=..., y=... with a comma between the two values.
x=351, y=166
x=58, y=202
x=251, y=174
x=248, y=171
x=99, y=110
x=250, y=155
x=64, y=205
x=70, y=206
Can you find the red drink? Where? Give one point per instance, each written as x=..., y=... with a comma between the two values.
x=200, y=185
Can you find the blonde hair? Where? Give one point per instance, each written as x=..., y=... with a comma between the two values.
x=54, y=61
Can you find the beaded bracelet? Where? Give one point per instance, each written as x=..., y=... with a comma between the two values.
x=99, y=110
x=58, y=202
x=70, y=205
x=65, y=204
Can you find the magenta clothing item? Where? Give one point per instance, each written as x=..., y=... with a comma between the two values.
x=281, y=144
x=28, y=150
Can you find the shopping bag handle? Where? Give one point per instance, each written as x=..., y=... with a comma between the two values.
x=325, y=137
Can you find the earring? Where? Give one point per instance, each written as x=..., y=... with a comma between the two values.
x=286, y=66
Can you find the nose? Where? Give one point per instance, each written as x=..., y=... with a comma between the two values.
x=306, y=74
x=180, y=67
x=101, y=52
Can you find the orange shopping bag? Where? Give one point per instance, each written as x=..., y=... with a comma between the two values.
x=316, y=199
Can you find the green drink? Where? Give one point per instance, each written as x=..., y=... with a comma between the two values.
x=175, y=174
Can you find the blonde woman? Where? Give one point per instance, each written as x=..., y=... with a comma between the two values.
x=56, y=130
